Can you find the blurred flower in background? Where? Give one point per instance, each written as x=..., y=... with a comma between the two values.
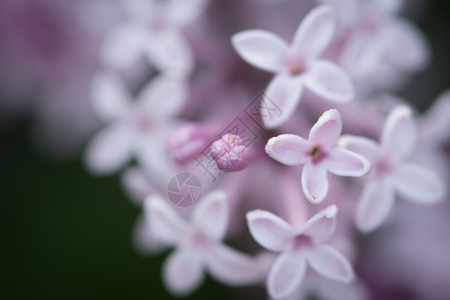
x=271, y=167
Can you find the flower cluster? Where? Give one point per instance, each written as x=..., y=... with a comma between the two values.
x=292, y=168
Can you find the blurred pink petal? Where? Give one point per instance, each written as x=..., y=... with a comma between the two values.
x=269, y=230
x=330, y=263
x=211, y=215
x=329, y=82
x=322, y=225
x=315, y=182
x=418, y=184
x=286, y=275
x=261, y=49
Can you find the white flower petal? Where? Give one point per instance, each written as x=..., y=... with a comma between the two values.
x=322, y=225
x=329, y=81
x=109, y=95
x=399, y=133
x=122, y=46
x=211, y=215
x=109, y=150
x=183, y=271
x=346, y=163
x=285, y=92
x=232, y=267
x=418, y=184
x=374, y=206
x=366, y=147
x=435, y=123
x=163, y=96
x=315, y=32
x=261, y=49
x=288, y=149
x=170, y=53
x=330, y=263
x=327, y=129
x=166, y=225
x=315, y=182
x=269, y=230
x=286, y=275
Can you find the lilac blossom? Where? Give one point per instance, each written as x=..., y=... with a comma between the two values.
x=199, y=245
x=299, y=247
x=392, y=172
x=297, y=66
x=318, y=155
x=153, y=29
x=133, y=125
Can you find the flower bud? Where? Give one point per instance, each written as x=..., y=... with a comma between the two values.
x=187, y=142
x=230, y=153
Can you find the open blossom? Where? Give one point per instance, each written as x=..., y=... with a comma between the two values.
x=133, y=124
x=297, y=66
x=153, y=30
x=392, y=172
x=199, y=245
x=318, y=155
x=299, y=247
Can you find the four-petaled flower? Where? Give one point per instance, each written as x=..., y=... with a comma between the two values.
x=135, y=125
x=298, y=65
x=299, y=246
x=199, y=245
x=319, y=155
x=391, y=171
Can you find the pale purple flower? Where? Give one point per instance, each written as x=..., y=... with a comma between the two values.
x=375, y=41
x=297, y=66
x=299, y=247
x=134, y=125
x=392, y=173
x=318, y=155
x=199, y=245
x=153, y=30
x=230, y=153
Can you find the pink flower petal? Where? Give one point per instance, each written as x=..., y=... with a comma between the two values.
x=166, y=225
x=329, y=81
x=269, y=230
x=315, y=32
x=346, y=163
x=327, y=129
x=286, y=275
x=109, y=150
x=366, y=147
x=211, y=215
x=435, y=123
x=261, y=49
x=288, y=149
x=170, y=52
x=330, y=263
x=232, y=267
x=388, y=6
x=399, y=133
x=315, y=182
x=322, y=225
x=374, y=206
x=110, y=96
x=163, y=96
x=418, y=184
x=122, y=46
x=183, y=271
x=285, y=92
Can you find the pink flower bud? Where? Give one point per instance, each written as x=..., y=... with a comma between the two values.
x=187, y=142
x=230, y=153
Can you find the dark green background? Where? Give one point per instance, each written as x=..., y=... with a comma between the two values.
x=67, y=235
